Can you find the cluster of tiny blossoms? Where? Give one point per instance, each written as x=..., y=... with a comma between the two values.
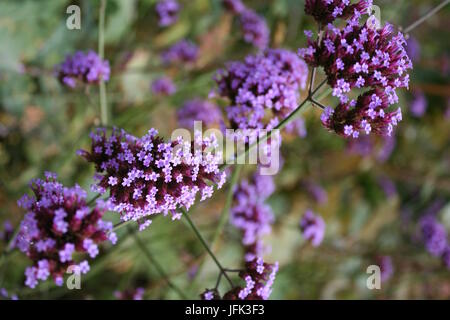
x=167, y=11
x=253, y=26
x=184, y=51
x=59, y=223
x=85, y=67
x=312, y=227
x=199, y=110
x=360, y=56
x=250, y=215
x=326, y=11
x=266, y=81
x=163, y=86
x=434, y=235
x=147, y=176
x=259, y=278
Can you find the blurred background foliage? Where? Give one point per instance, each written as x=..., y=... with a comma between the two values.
x=42, y=125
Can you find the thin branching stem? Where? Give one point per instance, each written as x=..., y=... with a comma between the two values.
x=421, y=20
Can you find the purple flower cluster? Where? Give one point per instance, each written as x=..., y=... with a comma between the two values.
x=361, y=57
x=312, y=227
x=268, y=81
x=59, y=223
x=315, y=191
x=184, y=51
x=419, y=104
x=434, y=236
x=7, y=233
x=146, y=176
x=163, y=86
x=259, y=278
x=326, y=11
x=199, y=110
x=130, y=294
x=366, y=114
x=250, y=215
x=167, y=11
x=85, y=67
x=254, y=28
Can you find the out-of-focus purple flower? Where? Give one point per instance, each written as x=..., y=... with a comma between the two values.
x=418, y=104
x=234, y=6
x=388, y=186
x=184, y=51
x=446, y=257
x=259, y=278
x=85, y=67
x=130, y=294
x=326, y=11
x=265, y=82
x=315, y=191
x=57, y=224
x=367, y=114
x=7, y=233
x=363, y=146
x=386, y=267
x=434, y=235
x=387, y=148
x=254, y=29
x=167, y=11
x=199, y=110
x=4, y=294
x=163, y=86
x=250, y=215
x=146, y=176
x=312, y=227
x=413, y=49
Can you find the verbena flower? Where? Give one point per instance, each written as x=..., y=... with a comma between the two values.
x=266, y=83
x=59, y=223
x=254, y=28
x=130, y=294
x=326, y=11
x=419, y=104
x=163, y=86
x=312, y=227
x=250, y=215
x=82, y=67
x=167, y=11
x=147, y=176
x=184, y=51
x=434, y=235
x=234, y=6
x=259, y=278
x=358, y=56
x=315, y=191
x=4, y=294
x=367, y=114
x=199, y=110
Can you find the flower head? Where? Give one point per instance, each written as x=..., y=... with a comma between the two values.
x=57, y=224
x=434, y=235
x=184, y=51
x=386, y=267
x=254, y=28
x=234, y=6
x=163, y=86
x=259, y=278
x=147, y=176
x=167, y=11
x=326, y=11
x=268, y=82
x=312, y=227
x=82, y=67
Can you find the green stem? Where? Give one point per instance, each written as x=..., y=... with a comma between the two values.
x=101, y=53
x=155, y=263
x=426, y=17
x=205, y=245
